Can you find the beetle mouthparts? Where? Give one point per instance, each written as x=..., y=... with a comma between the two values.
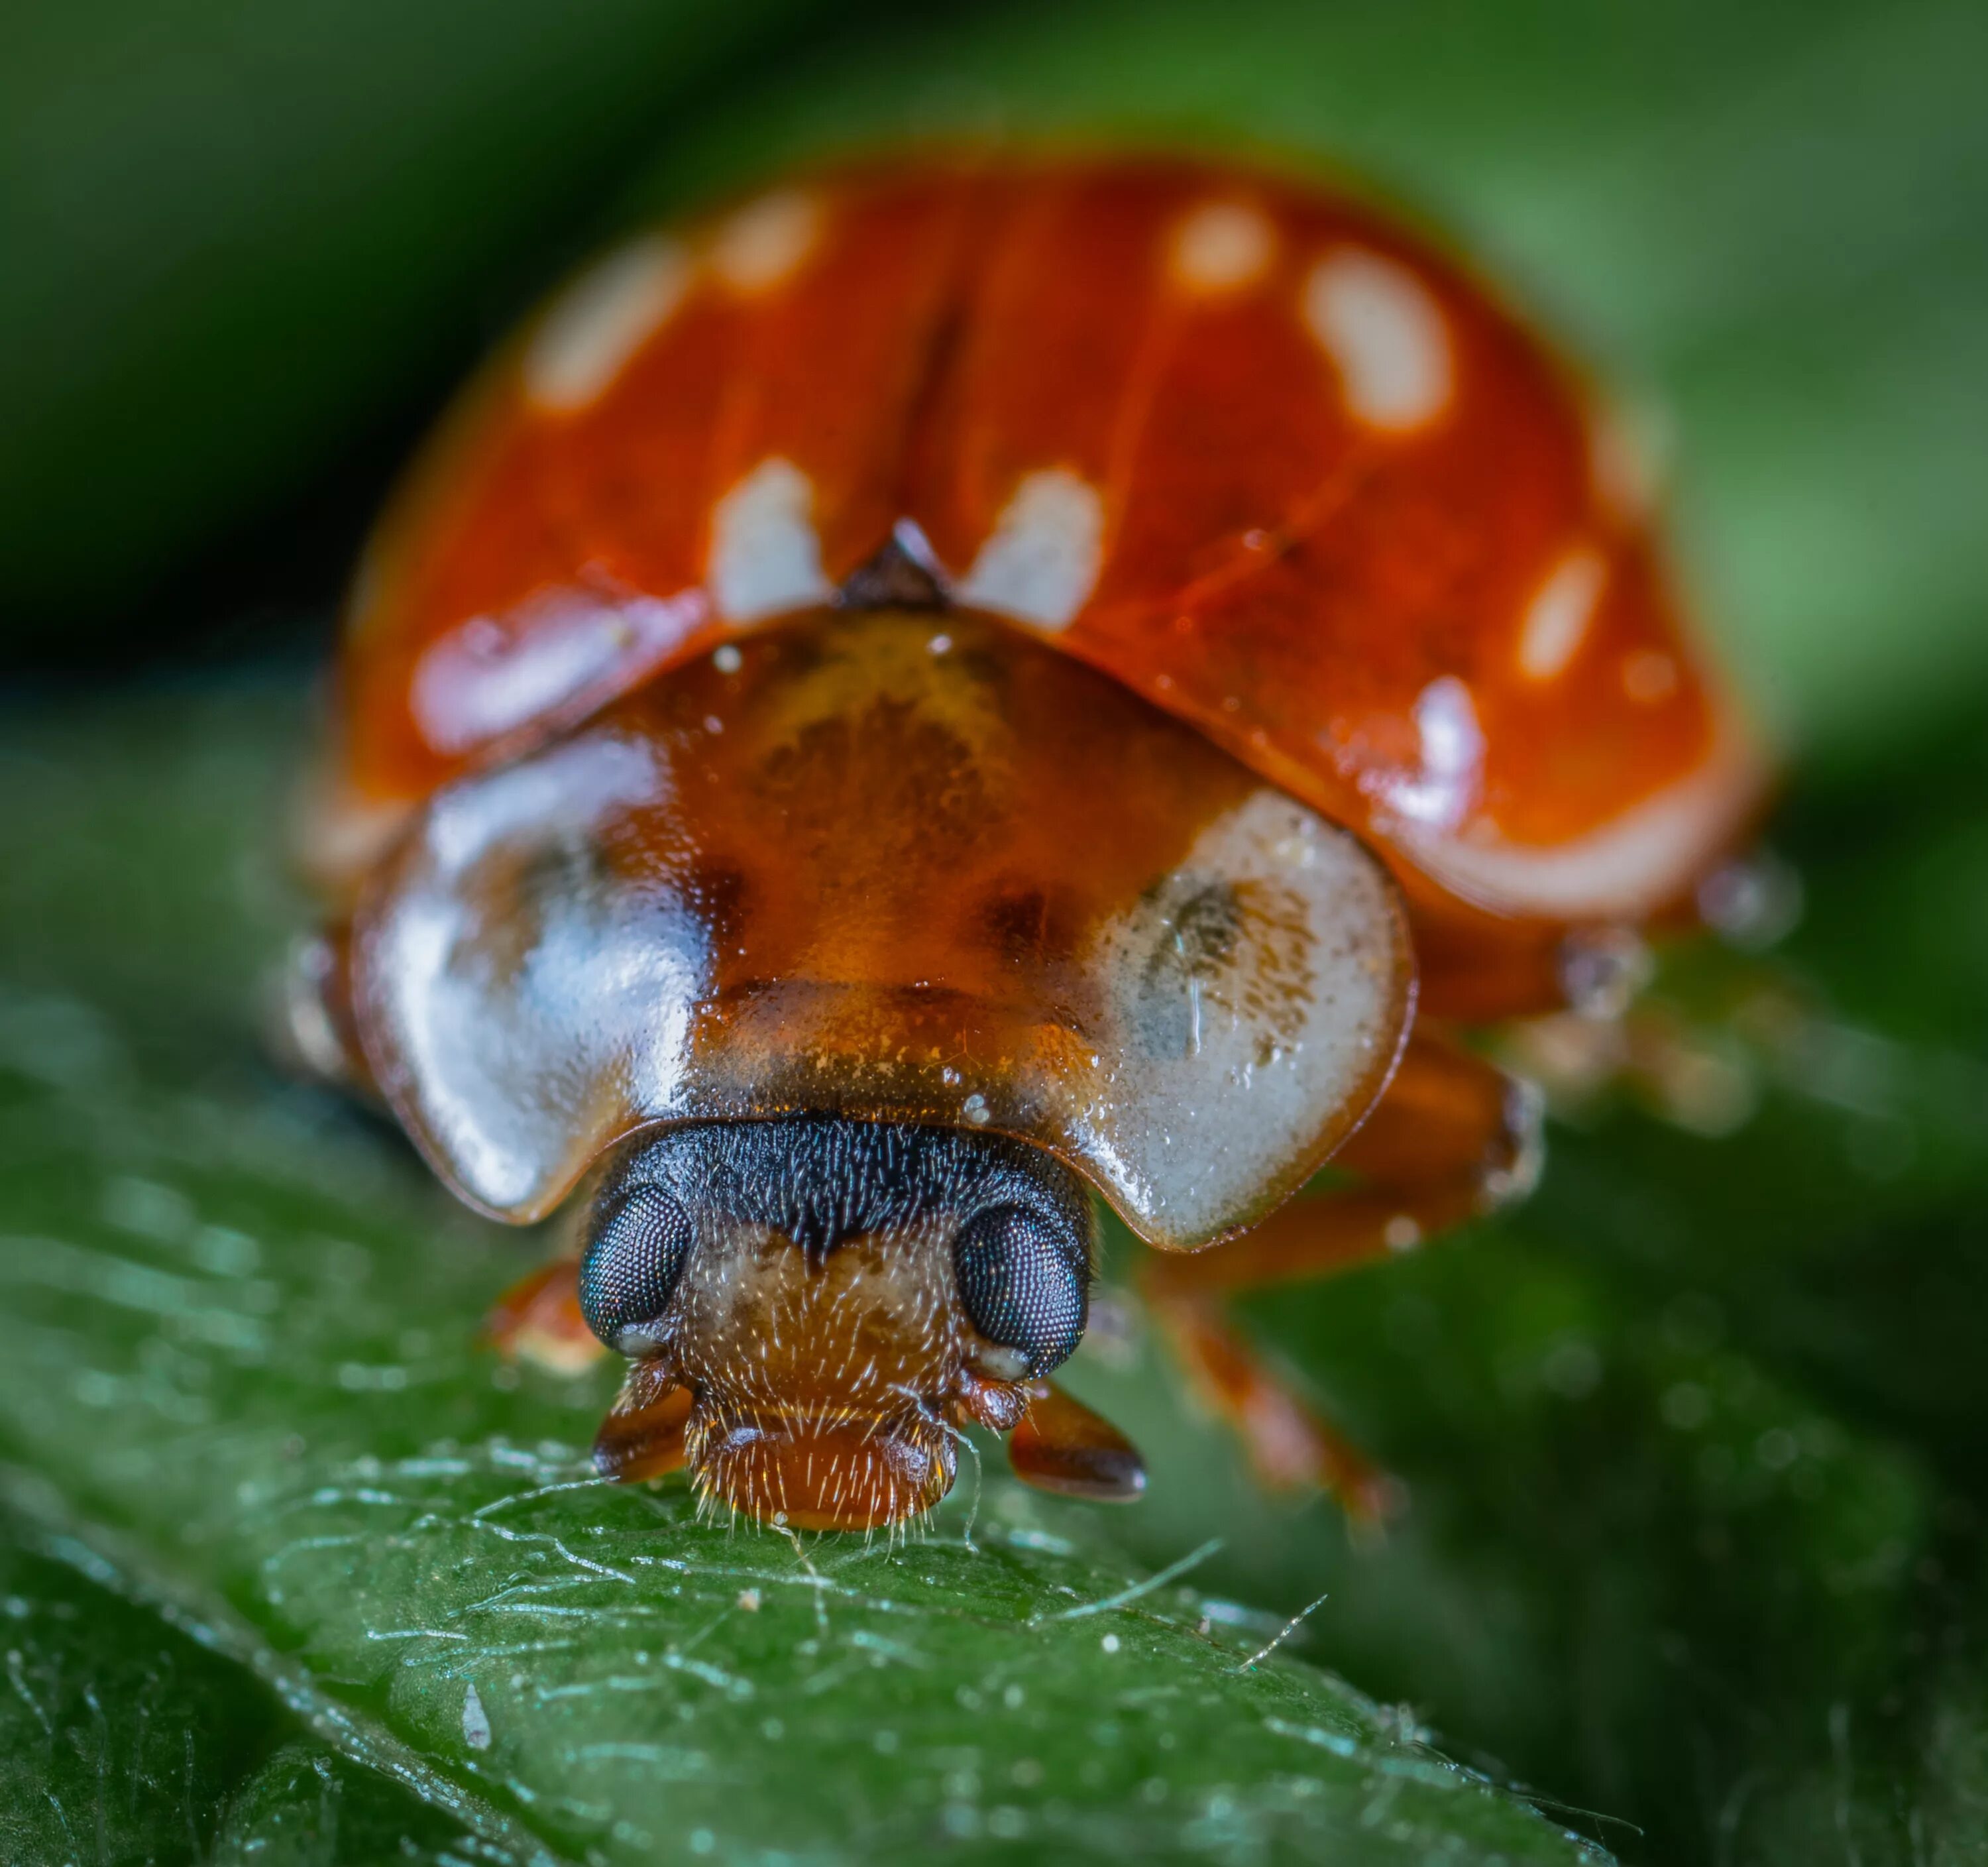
x=858, y=1473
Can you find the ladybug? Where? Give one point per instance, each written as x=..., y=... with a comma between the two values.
x=952, y=690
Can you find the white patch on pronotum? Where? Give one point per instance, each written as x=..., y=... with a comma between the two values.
x=1040, y=563
x=1220, y=247
x=584, y=341
x=1556, y=621
x=765, y=557
x=1452, y=747
x=486, y=1054
x=1246, y=999
x=1385, y=335
x=762, y=245
x=475, y=1722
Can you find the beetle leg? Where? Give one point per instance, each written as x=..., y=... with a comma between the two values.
x=1452, y=1129
x=312, y=1029
x=538, y=1319
x=644, y=1434
x=1452, y=1137
x=1060, y=1445
x=1704, y=1077
x=1290, y=1446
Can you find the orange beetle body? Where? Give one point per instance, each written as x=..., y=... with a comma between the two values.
x=1062, y=651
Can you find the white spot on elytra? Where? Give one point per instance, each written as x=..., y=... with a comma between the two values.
x=763, y=244
x=727, y=659
x=1649, y=675
x=601, y=320
x=1624, y=868
x=487, y=678
x=475, y=1722
x=765, y=557
x=1220, y=246
x=1385, y=335
x=1556, y=620
x=1452, y=758
x=1629, y=448
x=1040, y=563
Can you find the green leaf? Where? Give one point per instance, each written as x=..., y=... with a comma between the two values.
x=239, y=1374
x=125, y=1736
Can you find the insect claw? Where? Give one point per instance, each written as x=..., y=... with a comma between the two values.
x=1061, y=1446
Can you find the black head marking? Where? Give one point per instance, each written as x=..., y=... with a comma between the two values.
x=1020, y=1224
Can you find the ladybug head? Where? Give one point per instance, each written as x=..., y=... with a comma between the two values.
x=813, y=1306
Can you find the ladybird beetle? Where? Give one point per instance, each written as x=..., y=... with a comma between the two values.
x=953, y=687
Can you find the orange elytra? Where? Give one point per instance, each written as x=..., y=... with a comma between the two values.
x=950, y=688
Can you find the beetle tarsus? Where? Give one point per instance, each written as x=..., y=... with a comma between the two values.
x=1060, y=1445
x=644, y=1433
x=538, y=1320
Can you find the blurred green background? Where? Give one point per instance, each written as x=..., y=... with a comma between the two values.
x=1695, y=1441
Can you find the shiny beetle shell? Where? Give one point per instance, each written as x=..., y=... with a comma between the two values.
x=898, y=867
x=1085, y=651
x=1250, y=449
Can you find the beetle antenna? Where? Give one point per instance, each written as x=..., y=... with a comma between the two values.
x=979, y=1477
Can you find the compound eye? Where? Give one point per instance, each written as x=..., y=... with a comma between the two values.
x=641, y=1240
x=1024, y=1283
